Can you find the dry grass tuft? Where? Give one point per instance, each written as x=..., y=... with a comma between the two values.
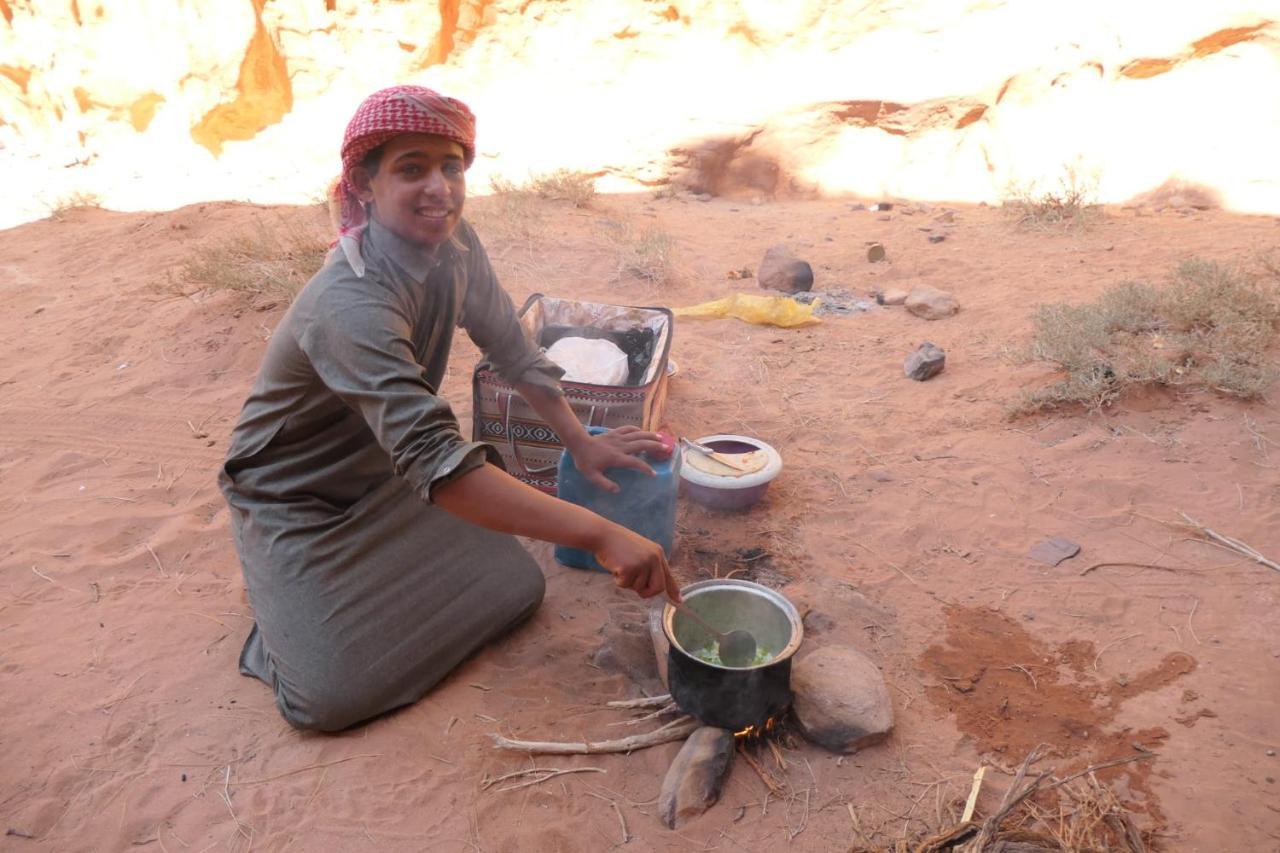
x=647, y=255
x=1212, y=325
x=71, y=202
x=1071, y=205
x=564, y=185
x=665, y=192
x=1038, y=811
x=511, y=213
x=579, y=188
x=270, y=264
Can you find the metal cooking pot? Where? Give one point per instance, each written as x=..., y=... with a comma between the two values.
x=732, y=697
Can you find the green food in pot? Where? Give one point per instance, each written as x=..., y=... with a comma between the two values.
x=710, y=653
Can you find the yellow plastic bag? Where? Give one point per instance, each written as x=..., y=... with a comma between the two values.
x=750, y=308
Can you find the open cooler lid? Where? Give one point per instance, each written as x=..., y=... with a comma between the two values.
x=543, y=311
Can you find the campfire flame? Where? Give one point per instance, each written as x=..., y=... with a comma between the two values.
x=756, y=732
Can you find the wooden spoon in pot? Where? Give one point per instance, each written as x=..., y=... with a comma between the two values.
x=737, y=648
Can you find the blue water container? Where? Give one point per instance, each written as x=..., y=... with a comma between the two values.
x=644, y=504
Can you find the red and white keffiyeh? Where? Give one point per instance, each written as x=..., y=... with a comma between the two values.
x=381, y=116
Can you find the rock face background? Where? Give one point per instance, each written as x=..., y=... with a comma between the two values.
x=156, y=103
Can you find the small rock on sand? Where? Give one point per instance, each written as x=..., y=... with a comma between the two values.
x=781, y=270
x=842, y=702
x=925, y=363
x=931, y=303
x=892, y=296
x=695, y=779
x=1053, y=551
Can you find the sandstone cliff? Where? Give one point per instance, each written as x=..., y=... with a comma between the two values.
x=155, y=103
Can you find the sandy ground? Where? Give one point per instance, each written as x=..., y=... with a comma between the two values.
x=902, y=521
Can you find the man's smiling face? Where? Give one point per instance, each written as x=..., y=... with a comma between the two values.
x=418, y=187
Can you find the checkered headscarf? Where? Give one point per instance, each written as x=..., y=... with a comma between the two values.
x=380, y=117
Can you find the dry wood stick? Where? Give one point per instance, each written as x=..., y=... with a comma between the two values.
x=1017, y=793
x=1234, y=544
x=305, y=769
x=669, y=708
x=857, y=827
x=1098, y=656
x=677, y=729
x=1088, y=569
x=1116, y=762
x=972, y=802
x=542, y=774
x=774, y=787
x=622, y=821
x=642, y=702
x=159, y=565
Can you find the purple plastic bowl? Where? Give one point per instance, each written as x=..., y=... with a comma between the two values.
x=730, y=495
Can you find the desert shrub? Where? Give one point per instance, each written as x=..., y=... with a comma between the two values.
x=564, y=185
x=1072, y=204
x=579, y=188
x=270, y=263
x=73, y=201
x=1212, y=325
x=647, y=254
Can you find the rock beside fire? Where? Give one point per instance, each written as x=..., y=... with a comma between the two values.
x=842, y=702
x=696, y=778
x=781, y=270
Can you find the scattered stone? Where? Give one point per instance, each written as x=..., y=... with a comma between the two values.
x=892, y=296
x=875, y=253
x=884, y=205
x=695, y=779
x=1053, y=551
x=937, y=238
x=1271, y=752
x=931, y=303
x=704, y=197
x=842, y=702
x=925, y=363
x=781, y=270
x=880, y=475
x=857, y=206
x=739, y=274
x=946, y=216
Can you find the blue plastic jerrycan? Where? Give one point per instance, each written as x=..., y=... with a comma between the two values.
x=644, y=504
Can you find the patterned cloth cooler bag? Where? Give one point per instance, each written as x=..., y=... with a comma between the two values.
x=529, y=447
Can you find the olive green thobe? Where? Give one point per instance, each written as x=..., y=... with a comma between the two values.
x=365, y=594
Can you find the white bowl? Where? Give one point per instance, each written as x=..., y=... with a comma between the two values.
x=730, y=492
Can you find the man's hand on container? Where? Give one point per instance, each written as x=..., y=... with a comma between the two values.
x=616, y=448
